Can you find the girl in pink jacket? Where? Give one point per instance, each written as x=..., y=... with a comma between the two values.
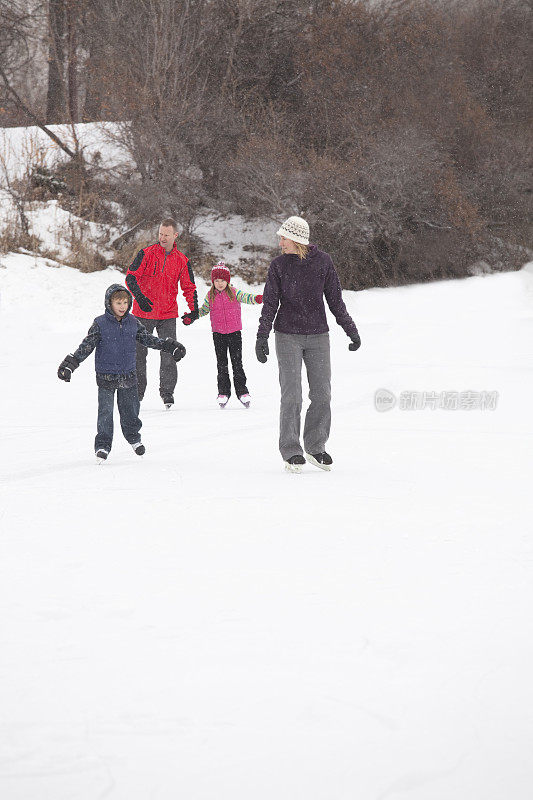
x=223, y=304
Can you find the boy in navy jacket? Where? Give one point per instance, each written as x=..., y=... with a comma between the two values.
x=114, y=335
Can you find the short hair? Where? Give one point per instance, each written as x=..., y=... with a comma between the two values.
x=168, y=222
x=120, y=294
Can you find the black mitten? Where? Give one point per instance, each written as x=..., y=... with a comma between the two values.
x=67, y=367
x=176, y=349
x=145, y=304
x=261, y=349
x=189, y=317
x=355, y=343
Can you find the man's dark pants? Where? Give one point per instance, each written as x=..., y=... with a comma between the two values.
x=168, y=371
x=233, y=343
x=128, y=408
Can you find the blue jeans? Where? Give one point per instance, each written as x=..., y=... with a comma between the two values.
x=128, y=409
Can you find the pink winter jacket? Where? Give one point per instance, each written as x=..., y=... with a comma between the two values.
x=225, y=313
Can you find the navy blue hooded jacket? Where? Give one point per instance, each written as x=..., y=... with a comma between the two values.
x=115, y=342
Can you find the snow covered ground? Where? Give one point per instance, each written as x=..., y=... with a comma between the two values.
x=198, y=624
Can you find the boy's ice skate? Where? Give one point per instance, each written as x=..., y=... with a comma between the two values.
x=294, y=464
x=168, y=402
x=139, y=448
x=101, y=456
x=222, y=400
x=245, y=400
x=320, y=460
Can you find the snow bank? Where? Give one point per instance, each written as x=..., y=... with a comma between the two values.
x=58, y=230
x=235, y=239
x=24, y=145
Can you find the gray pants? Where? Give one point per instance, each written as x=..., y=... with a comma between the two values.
x=168, y=371
x=291, y=350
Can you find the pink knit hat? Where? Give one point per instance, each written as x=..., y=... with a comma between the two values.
x=221, y=271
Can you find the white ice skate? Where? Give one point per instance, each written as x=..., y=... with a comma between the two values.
x=101, y=456
x=294, y=464
x=320, y=460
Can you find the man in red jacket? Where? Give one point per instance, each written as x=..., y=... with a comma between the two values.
x=153, y=279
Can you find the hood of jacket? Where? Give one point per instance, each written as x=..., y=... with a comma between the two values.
x=116, y=287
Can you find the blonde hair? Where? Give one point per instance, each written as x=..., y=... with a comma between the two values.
x=230, y=291
x=302, y=249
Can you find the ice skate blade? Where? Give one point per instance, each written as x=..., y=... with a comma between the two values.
x=168, y=406
x=100, y=461
x=311, y=460
x=296, y=468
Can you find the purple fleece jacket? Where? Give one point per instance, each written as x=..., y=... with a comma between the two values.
x=294, y=294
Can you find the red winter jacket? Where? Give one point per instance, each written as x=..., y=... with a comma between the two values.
x=157, y=275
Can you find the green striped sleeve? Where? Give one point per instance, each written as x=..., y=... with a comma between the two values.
x=244, y=297
x=205, y=307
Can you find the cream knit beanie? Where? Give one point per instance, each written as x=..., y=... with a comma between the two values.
x=296, y=229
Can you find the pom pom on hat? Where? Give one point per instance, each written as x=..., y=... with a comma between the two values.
x=296, y=229
x=221, y=271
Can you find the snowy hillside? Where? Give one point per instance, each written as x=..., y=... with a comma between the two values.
x=230, y=237
x=98, y=140
x=198, y=624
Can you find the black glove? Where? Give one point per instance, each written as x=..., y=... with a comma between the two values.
x=145, y=304
x=67, y=367
x=176, y=350
x=356, y=341
x=261, y=349
x=190, y=317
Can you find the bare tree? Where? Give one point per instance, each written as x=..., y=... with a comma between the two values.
x=64, y=21
x=159, y=61
x=56, y=95
x=400, y=128
x=15, y=31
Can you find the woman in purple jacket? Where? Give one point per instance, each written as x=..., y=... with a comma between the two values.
x=293, y=300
